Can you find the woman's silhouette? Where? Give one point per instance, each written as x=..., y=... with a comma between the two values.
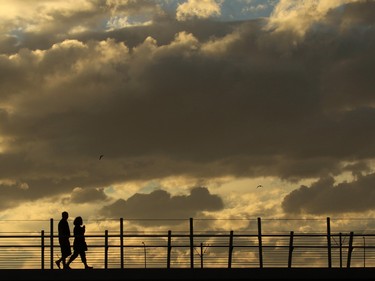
x=79, y=244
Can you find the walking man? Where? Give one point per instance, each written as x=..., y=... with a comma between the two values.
x=64, y=235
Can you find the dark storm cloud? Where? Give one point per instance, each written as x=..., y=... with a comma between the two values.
x=80, y=195
x=326, y=197
x=197, y=98
x=159, y=204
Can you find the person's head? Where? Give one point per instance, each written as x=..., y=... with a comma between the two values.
x=78, y=221
x=65, y=215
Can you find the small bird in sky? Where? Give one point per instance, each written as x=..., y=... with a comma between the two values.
x=101, y=156
x=260, y=186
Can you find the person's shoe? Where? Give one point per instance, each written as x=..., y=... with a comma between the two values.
x=88, y=267
x=58, y=264
x=67, y=266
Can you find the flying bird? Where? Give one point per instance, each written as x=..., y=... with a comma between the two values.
x=260, y=186
x=101, y=156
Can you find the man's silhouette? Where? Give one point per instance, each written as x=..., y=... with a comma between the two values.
x=64, y=235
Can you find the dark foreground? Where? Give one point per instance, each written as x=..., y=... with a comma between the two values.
x=191, y=274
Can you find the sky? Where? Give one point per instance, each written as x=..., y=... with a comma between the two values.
x=192, y=104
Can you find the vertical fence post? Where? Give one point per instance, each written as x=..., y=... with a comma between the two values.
x=201, y=255
x=144, y=253
x=329, y=242
x=291, y=248
x=169, y=248
x=42, y=248
x=230, y=249
x=260, y=243
x=340, y=244
x=364, y=251
x=51, y=241
x=122, y=243
x=191, y=243
x=350, y=249
x=106, y=249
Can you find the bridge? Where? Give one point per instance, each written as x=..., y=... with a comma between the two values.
x=190, y=274
x=255, y=252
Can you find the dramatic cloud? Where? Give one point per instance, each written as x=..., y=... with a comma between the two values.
x=290, y=96
x=198, y=9
x=324, y=197
x=80, y=195
x=300, y=16
x=159, y=204
x=40, y=24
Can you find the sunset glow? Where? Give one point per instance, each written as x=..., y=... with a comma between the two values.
x=192, y=104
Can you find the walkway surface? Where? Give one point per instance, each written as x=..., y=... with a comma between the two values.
x=190, y=274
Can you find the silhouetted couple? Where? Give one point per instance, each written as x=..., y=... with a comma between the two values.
x=79, y=244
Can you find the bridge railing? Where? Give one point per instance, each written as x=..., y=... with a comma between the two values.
x=190, y=248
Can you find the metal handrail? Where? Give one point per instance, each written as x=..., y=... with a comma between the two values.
x=230, y=249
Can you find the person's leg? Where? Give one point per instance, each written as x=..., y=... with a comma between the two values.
x=65, y=251
x=83, y=257
x=71, y=259
x=84, y=261
x=58, y=262
x=64, y=261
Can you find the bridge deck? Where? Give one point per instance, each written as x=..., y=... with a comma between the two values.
x=190, y=274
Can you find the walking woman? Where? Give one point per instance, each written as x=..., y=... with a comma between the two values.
x=79, y=244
